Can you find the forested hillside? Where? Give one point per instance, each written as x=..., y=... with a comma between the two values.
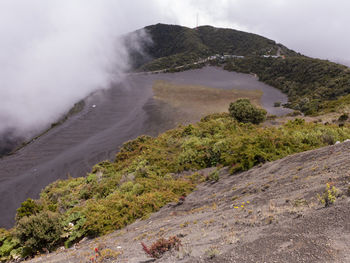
x=310, y=83
x=173, y=45
x=313, y=85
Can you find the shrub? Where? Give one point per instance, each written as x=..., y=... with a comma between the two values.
x=343, y=117
x=158, y=248
x=243, y=111
x=212, y=252
x=213, y=176
x=74, y=228
x=295, y=113
x=328, y=138
x=277, y=104
x=271, y=117
x=43, y=230
x=329, y=195
x=27, y=208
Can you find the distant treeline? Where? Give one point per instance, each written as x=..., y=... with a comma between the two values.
x=309, y=83
x=174, y=46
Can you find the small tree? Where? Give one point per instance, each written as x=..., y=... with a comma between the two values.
x=243, y=111
x=27, y=208
x=43, y=230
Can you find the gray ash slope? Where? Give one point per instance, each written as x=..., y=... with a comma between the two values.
x=122, y=113
x=270, y=213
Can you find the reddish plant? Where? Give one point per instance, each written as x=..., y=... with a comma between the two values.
x=162, y=245
x=97, y=254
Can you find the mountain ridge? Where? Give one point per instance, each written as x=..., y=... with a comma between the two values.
x=173, y=45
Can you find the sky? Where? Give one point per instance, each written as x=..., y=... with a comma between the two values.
x=317, y=28
x=55, y=52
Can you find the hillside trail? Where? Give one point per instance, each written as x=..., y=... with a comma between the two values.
x=270, y=213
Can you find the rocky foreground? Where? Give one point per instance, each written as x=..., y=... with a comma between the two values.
x=270, y=213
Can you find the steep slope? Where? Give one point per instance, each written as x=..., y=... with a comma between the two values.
x=145, y=176
x=270, y=213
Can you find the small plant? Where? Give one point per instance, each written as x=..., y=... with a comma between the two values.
x=270, y=219
x=104, y=254
x=212, y=252
x=271, y=117
x=213, y=176
x=162, y=245
x=343, y=117
x=329, y=196
x=295, y=113
x=300, y=202
x=97, y=255
x=9, y=246
x=277, y=104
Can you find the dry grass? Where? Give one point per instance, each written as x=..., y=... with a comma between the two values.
x=195, y=101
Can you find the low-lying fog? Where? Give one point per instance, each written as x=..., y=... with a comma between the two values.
x=54, y=53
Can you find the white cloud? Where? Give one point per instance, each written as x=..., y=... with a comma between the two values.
x=315, y=28
x=53, y=53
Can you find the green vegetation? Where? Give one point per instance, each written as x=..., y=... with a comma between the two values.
x=277, y=104
x=174, y=46
x=9, y=245
x=312, y=85
x=338, y=105
x=213, y=176
x=343, y=117
x=28, y=208
x=230, y=41
x=243, y=111
x=329, y=195
x=212, y=252
x=144, y=177
x=42, y=230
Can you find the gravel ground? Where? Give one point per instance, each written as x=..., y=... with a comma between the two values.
x=270, y=213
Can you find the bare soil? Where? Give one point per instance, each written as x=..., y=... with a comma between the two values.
x=270, y=213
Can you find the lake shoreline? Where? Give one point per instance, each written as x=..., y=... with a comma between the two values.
x=121, y=113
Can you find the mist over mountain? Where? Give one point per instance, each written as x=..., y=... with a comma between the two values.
x=54, y=54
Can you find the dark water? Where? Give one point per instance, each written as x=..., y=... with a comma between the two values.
x=218, y=78
x=122, y=113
